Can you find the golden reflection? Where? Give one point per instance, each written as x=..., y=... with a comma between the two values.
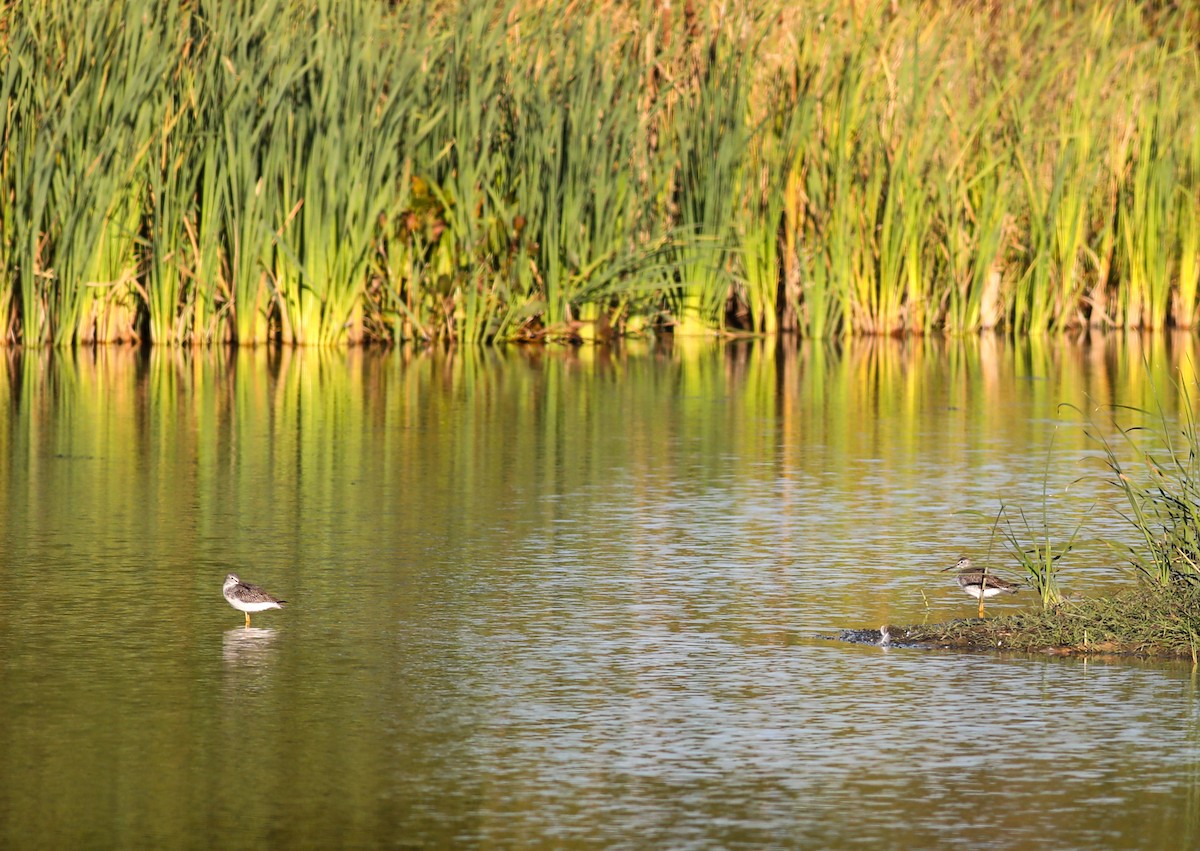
x=189, y=444
x=816, y=389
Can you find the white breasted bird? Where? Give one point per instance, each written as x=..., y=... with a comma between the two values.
x=248, y=598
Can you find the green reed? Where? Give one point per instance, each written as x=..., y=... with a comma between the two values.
x=77, y=130
x=1156, y=469
x=774, y=201
x=1186, y=198
x=327, y=173
x=825, y=220
x=710, y=139
x=1146, y=206
x=904, y=229
x=1035, y=545
x=169, y=184
x=587, y=181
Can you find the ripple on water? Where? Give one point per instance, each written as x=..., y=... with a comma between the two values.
x=626, y=704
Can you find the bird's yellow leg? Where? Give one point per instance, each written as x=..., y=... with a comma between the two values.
x=980, y=608
x=247, y=620
x=982, y=587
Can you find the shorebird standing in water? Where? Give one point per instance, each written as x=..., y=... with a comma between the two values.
x=248, y=598
x=980, y=583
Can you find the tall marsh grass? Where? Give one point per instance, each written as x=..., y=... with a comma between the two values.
x=1156, y=469
x=340, y=171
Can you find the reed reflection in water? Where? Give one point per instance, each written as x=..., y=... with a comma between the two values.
x=561, y=597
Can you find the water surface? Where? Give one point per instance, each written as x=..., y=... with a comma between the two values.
x=565, y=598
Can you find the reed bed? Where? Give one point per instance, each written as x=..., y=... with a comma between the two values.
x=343, y=171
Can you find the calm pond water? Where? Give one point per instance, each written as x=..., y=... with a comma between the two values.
x=565, y=599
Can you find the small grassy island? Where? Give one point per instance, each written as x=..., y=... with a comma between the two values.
x=1148, y=620
x=1155, y=467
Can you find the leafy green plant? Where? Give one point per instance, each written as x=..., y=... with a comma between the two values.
x=1158, y=475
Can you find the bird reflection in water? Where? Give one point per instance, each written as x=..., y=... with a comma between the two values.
x=248, y=647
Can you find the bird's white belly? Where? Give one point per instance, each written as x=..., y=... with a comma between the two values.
x=243, y=606
x=974, y=592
